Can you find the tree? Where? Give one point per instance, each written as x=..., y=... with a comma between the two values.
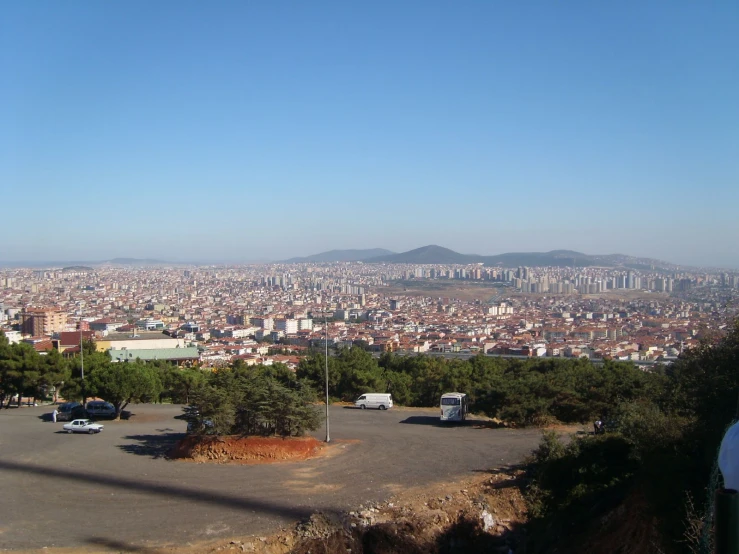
x=19, y=370
x=123, y=383
x=93, y=361
x=183, y=382
x=253, y=401
x=55, y=371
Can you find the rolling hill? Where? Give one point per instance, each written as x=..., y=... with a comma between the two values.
x=431, y=254
x=434, y=254
x=341, y=256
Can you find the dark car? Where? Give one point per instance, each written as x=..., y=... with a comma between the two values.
x=99, y=409
x=64, y=411
x=78, y=412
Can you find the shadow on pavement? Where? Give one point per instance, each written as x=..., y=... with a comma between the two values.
x=152, y=446
x=434, y=421
x=199, y=496
x=119, y=546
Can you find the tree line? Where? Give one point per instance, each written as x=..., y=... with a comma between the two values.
x=233, y=400
x=522, y=392
x=26, y=373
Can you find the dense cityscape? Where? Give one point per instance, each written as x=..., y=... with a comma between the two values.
x=262, y=314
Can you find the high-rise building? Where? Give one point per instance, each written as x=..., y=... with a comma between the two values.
x=42, y=321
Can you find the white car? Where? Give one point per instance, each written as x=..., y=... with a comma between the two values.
x=82, y=426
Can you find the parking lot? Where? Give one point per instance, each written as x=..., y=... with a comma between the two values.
x=115, y=491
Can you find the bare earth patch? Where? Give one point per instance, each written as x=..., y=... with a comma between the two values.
x=483, y=513
x=478, y=514
x=246, y=450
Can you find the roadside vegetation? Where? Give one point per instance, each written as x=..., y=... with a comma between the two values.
x=520, y=392
x=26, y=373
x=647, y=485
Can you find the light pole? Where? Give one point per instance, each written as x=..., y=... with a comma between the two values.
x=82, y=368
x=325, y=322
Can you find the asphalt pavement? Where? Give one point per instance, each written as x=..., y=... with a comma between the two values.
x=116, y=491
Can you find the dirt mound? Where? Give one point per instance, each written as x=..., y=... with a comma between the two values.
x=246, y=450
x=478, y=515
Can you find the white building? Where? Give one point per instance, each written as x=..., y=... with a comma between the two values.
x=287, y=326
x=14, y=337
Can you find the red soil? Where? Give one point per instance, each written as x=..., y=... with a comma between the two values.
x=246, y=450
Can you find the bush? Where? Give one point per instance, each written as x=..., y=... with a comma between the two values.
x=569, y=485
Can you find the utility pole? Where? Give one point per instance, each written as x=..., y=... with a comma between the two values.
x=82, y=368
x=325, y=322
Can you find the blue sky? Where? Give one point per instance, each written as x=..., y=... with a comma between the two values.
x=263, y=130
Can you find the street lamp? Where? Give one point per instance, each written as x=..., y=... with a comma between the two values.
x=82, y=368
x=325, y=322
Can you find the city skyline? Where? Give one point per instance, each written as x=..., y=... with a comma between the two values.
x=508, y=259
x=245, y=132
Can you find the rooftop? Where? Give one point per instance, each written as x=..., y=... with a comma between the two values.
x=139, y=335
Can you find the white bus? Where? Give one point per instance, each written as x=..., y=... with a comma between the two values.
x=454, y=406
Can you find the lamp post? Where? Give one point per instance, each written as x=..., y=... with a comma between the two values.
x=325, y=322
x=82, y=368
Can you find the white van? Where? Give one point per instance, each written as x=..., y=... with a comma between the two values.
x=374, y=400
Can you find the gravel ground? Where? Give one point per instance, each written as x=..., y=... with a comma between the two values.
x=115, y=491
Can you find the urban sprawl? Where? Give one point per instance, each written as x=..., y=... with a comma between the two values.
x=265, y=314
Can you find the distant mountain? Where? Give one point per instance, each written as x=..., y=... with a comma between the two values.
x=431, y=254
x=434, y=254
x=134, y=261
x=341, y=256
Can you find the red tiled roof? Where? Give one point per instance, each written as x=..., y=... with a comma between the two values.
x=71, y=338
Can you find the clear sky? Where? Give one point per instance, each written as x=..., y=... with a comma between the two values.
x=267, y=129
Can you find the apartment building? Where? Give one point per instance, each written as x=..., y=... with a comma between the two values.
x=288, y=326
x=42, y=321
x=266, y=323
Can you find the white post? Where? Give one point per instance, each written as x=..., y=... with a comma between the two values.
x=82, y=367
x=325, y=321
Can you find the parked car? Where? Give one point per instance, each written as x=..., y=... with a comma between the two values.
x=64, y=411
x=100, y=409
x=82, y=426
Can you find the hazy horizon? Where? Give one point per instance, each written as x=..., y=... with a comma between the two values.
x=236, y=261
x=234, y=131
